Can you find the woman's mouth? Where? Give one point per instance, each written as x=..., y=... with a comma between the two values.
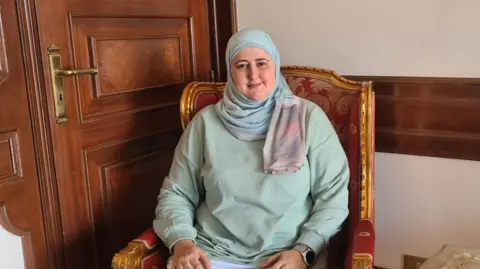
x=254, y=85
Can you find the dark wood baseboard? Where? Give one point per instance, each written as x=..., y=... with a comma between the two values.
x=437, y=117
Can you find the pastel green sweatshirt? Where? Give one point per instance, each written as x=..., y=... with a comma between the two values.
x=218, y=195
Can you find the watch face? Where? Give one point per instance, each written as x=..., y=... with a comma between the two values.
x=310, y=257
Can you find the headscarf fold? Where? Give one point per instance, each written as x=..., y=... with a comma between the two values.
x=279, y=118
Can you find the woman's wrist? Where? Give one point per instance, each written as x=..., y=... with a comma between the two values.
x=307, y=253
x=183, y=243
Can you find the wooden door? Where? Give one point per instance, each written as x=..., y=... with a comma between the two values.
x=123, y=123
x=20, y=207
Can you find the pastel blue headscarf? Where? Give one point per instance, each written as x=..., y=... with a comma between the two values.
x=279, y=118
x=247, y=119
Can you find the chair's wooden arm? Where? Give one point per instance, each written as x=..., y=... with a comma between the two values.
x=363, y=246
x=147, y=249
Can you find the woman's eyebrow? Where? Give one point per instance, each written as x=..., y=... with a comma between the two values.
x=256, y=60
x=241, y=61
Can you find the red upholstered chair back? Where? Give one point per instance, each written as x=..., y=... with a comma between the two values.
x=350, y=107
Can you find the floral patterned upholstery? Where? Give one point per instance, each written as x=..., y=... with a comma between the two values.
x=335, y=101
x=350, y=107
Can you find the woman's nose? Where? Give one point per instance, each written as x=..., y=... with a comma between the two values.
x=253, y=72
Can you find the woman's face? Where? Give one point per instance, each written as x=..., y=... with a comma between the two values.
x=253, y=73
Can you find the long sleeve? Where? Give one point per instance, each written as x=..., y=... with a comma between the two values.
x=329, y=183
x=182, y=189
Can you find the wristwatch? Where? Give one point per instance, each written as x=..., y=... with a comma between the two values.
x=309, y=256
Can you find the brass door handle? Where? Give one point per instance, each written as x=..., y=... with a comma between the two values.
x=88, y=71
x=56, y=74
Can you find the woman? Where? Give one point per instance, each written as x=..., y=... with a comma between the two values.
x=258, y=180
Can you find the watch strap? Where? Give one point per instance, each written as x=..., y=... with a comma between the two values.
x=308, y=254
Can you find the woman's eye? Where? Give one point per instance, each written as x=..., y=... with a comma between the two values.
x=241, y=66
x=262, y=64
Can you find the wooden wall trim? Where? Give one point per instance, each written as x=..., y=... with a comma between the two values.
x=438, y=117
x=41, y=133
x=222, y=23
x=233, y=10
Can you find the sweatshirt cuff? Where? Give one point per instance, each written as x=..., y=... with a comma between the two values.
x=315, y=241
x=178, y=233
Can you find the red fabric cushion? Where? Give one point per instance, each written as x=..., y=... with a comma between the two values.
x=156, y=260
x=342, y=109
x=148, y=238
x=205, y=99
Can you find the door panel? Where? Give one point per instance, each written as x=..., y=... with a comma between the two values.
x=123, y=123
x=139, y=59
x=123, y=188
x=137, y=7
x=20, y=206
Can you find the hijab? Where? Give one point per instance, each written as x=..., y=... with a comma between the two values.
x=279, y=118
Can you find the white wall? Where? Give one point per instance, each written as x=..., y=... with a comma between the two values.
x=421, y=202
x=373, y=37
x=11, y=250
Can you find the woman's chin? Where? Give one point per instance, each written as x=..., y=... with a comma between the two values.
x=257, y=98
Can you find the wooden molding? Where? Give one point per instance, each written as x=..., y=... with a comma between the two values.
x=223, y=23
x=438, y=117
x=233, y=10
x=41, y=133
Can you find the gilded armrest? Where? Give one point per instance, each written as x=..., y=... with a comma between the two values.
x=145, y=251
x=363, y=245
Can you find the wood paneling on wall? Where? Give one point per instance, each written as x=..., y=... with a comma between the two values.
x=437, y=117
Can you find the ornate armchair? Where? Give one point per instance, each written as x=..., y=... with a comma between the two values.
x=350, y=108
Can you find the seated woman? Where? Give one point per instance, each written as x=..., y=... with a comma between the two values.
x=258, y=180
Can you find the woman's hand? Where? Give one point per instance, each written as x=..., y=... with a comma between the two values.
x=186, y=255
x=288, y=259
